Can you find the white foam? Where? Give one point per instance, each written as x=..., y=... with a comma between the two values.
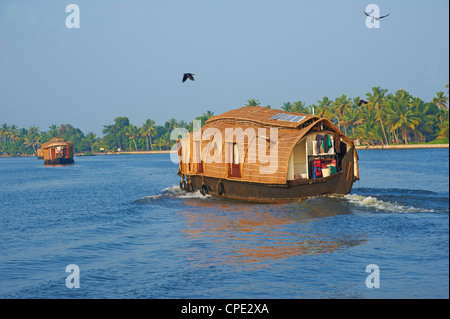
x=175, y=192
x=379, y=205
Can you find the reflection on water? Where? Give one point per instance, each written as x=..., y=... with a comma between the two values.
x=252, y=233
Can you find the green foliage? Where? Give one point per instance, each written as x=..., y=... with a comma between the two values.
x=387, y=118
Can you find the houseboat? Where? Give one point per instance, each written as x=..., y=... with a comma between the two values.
x=40, y=153
x=57, y=151
x=267, y=155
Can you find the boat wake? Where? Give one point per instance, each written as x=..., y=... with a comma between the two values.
x=366, y=202
x=371, y=202
x=173, y=192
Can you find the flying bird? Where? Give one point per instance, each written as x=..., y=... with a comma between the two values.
x=376, y=18
x=188, y=76
x=361, y=102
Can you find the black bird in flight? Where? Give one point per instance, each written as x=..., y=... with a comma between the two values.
x=188, y=76
x=376, y=18
x=361, y=102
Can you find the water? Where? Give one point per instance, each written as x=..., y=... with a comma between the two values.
x=134, y=234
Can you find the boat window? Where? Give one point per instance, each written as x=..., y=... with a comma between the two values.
x=235, y=153
x=198, y=157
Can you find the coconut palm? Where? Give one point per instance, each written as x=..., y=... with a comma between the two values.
x=443, y=129
x=400, y=114
x=428, y=120
x=440, y=100
x=376, y=101
x=13, y=132
x=171, y=124
x=4, y=132
x=32, y=139
x=53, y=131
x=341, y=105
x=353, y=117
x=324, y=108
x=148, y=131
x=90, y=139
x=300, y=107
x=253, y=102
x=203, y=118
x=287, y=106
x=132, y=131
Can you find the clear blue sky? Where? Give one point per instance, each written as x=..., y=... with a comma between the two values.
x=128, y=57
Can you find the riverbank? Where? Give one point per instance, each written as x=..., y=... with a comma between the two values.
x=359, y=147
x=403, y=146
x=134, y=152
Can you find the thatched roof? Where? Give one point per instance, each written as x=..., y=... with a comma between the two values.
x=263, y=116
x=57, y=141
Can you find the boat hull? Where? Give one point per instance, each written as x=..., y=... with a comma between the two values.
x=59, y=161
x=339, y=183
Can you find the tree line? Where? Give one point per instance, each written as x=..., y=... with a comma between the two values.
x=119, y=136
x=379, y=117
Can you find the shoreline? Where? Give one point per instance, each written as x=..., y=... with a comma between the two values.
x=402, y=146
x=359, y=147
x=133, y=153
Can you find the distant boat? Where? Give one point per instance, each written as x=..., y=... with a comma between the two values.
x=313, y=157
x=40, y=153
x=57, y=151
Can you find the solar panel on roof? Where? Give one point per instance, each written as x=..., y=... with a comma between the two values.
x=276, y=116
x=297, y=118
x=283, y=118
x=289, y=118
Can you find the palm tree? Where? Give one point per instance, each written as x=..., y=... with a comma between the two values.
x=160, y=142
x=440, y=100
x=353, y=117
x=253, y=102
x=376, y=101
x=171, y=124
x=400, y=114
x=300, y=107
x=428, y=120
x=90, y=139
x=32, y=139
x=13, y=132
x=114, y=134
x=203, y=118
x=287, y=106
x=323, y=109
x=132, y=131
x=443, y=129
x=148, y=130
x=4, y=131
x=341, y=106
x=53, y=132
x=166, y=140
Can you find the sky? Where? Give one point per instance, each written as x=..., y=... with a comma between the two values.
x=127, y=57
